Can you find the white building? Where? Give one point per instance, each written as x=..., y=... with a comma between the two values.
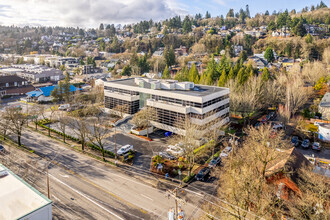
x=19, y=200
x=324, y=132
x=206, y=106
x=324, y=106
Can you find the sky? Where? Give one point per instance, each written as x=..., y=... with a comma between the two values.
x=90, y=13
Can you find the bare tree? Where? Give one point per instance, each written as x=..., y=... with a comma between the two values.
x=98, y=132
x=188, y=141
x=62, y=123
x=4, y=124
x=52, y=109
x=17, y=121
x=143, y=118
x=35, y=112
x=80, y=128
x=120, y=110
x=243, y=179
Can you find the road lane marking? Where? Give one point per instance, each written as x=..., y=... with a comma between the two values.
x=147, y=197
x=86, y=197
x=65, y=176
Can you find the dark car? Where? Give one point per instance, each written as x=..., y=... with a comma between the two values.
x=203, y=174
x=295, y=141
x=2, y=149
x=166, y=155
x=305, y=143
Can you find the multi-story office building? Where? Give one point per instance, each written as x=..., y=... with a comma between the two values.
x=173, y=101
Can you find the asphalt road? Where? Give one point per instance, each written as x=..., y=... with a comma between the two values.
x=102, y=191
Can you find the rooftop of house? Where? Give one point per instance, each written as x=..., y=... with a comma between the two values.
x=290, y=161
x=194, y=90
x=17, y=197
x=11, y=79
x=325, y=102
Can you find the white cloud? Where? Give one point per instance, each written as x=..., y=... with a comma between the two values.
x=86, y=13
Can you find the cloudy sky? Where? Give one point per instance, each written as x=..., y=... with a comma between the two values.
x=90, y=13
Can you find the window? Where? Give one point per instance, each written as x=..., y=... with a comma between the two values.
x=7, y=84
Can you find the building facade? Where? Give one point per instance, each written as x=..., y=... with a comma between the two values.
x=173, y=101
x=324, y=106
x=14, y=85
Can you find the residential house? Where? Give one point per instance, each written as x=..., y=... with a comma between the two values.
x=14, y=85
x=197, y=64
x=284, y=173
x=182, y=50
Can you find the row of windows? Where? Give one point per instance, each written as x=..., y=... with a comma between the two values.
x=178, y=120
x=188, y=103
x=205, y=115
x=124, y=91
x=121, y=105
x=171, y=100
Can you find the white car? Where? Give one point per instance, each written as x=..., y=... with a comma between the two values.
x=174, y=150
x=226, y=152
x=316, y=146
x=125, y=149
x=64, y=107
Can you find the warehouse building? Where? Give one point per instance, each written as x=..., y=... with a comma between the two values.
x=206, y=106
x=19, y=200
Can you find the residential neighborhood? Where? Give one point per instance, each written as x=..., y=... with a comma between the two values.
x=161, y=112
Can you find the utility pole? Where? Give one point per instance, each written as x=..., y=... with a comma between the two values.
x=174, y=193
x=48, y=190
x=115, y=144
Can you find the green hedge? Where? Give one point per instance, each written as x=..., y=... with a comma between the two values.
x=188, y=178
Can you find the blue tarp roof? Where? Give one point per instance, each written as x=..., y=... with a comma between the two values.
x=34, y=93
x=46, y=91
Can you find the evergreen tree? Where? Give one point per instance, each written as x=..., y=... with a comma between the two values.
x=207, y=15
x=265, y=74
x=66, y=87
x=309, y=39
x=101, y=27
x=269, y=55
x=127, y=70
x=231, y=74
x=223, y=78
x=169, y=56
x=193, y=74
x=202, y=80
x=186, y=25
x=212, y=69
x=166, y=73
x=209, y=81
x=241, y=76
x=300, y=30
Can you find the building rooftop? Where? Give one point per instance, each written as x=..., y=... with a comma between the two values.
x=18, y=198
x=197, y=90
x=10, y=79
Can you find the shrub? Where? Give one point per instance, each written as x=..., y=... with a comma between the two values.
x=188, y=178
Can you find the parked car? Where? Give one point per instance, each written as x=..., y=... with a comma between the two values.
x=166, y=155
x=316, y=146
x=277, y=126
x=295, y=141
x=226, y=152
x=305, y=143
x=174, y=150
x=203, y=174
x=214, y=162
x=125, y=149
x=2, y=149
x=272, y=115
x=64, y=107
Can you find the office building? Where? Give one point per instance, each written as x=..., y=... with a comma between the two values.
x=206, y=106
